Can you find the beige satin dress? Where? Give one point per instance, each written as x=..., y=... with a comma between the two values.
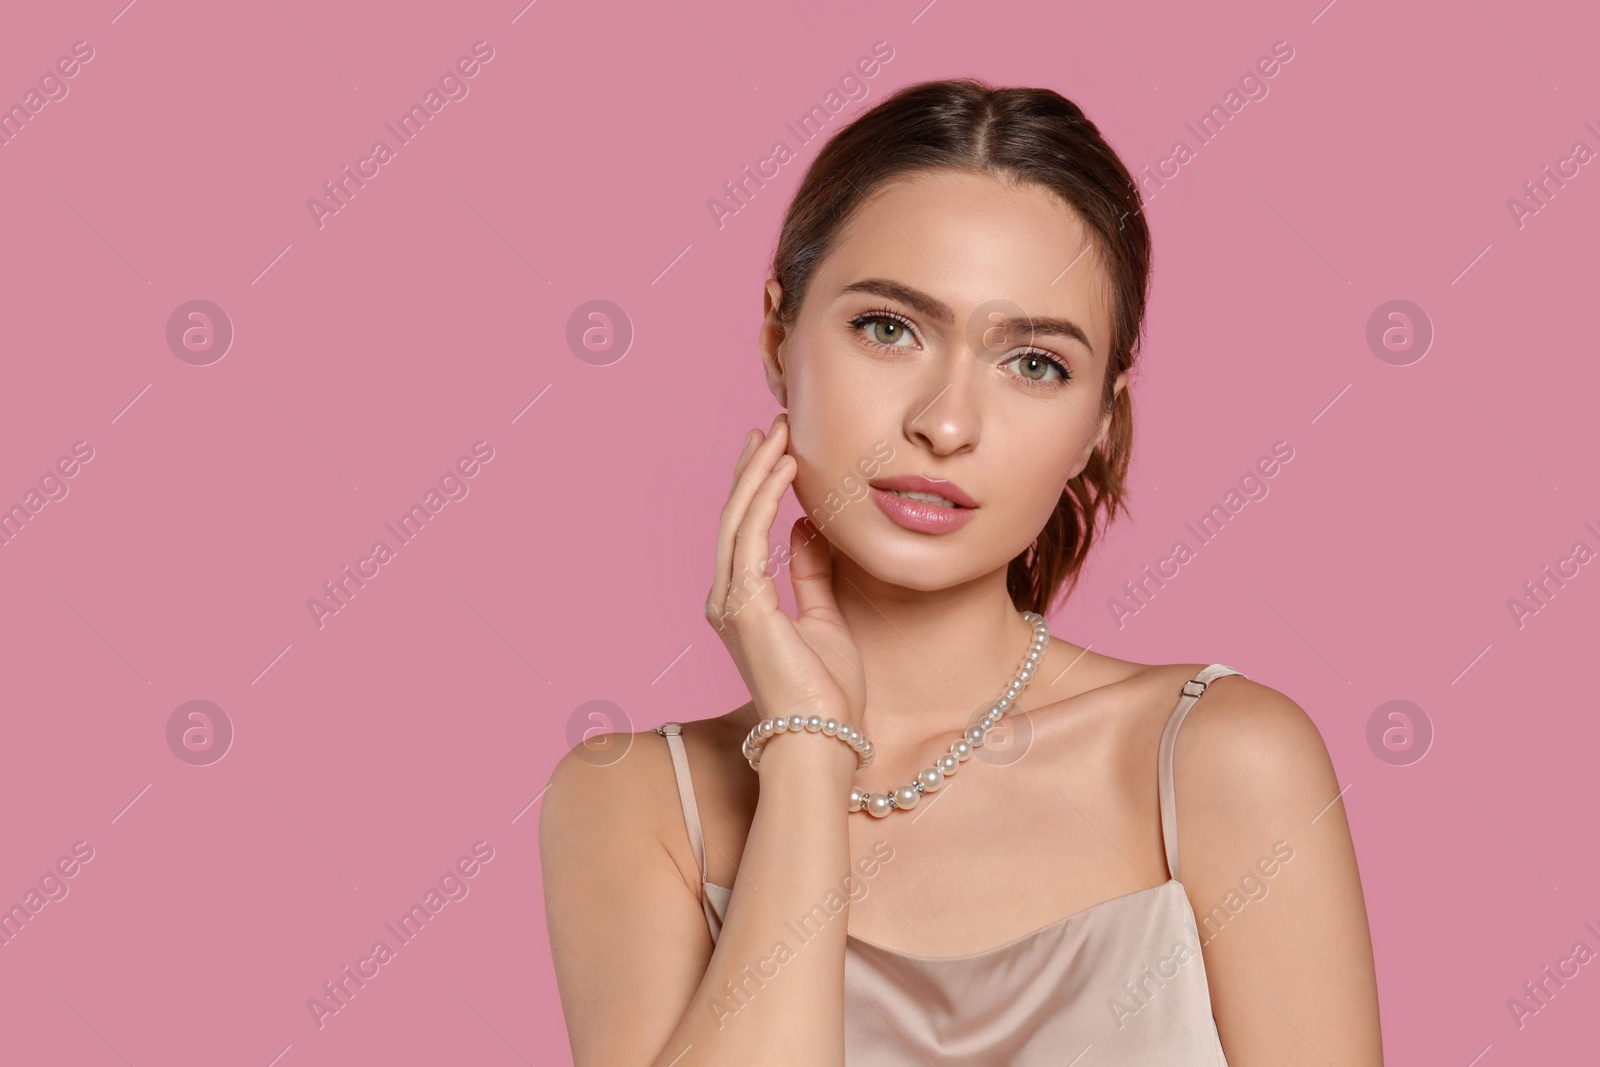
x=1121, y=983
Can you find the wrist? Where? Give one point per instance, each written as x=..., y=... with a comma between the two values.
x=809, y=760
x=776, y=726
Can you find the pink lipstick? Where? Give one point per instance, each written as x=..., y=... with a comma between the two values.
x=951, y=508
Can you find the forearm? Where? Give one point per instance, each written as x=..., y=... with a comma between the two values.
x=773, y=991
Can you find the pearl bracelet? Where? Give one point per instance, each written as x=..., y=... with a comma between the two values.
x=766, y=729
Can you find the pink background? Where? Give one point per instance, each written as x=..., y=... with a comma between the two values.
x=369, y=354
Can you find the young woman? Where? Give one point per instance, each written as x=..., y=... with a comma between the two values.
x=963, y=844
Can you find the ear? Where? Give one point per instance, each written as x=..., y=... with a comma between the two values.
x=1105, y=420
x=770, y=340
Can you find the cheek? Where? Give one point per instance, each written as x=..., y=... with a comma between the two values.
x=833, y=420
x=1038, y=475
x=809, y=444
x=1043, y=499
x=820, y=383
x=826, y=474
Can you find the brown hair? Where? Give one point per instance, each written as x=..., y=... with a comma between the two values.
x=1027, y=135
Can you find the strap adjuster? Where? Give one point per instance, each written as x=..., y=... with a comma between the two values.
x=1194, y=681
x=669, y=728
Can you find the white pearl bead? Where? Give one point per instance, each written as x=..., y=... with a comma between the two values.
x=974, y=735
x=878, y=805
x=797, y=723
x=830, y=727
x=906, y=797
x=858, y=798
x=960, y=749
x=947, y=764
x=780, y=726
x=813, y=723
x=931, y=778
x=1025, y=676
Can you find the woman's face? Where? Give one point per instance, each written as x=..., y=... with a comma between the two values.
x=901, y=363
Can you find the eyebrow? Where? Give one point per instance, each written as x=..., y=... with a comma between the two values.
x=939, y=312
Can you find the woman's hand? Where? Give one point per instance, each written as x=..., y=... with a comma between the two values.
x=808, y=665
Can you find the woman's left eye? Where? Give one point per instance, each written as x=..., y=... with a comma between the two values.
x=1031, y=363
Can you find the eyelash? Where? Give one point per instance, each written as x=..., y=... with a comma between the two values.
x=1038, y=383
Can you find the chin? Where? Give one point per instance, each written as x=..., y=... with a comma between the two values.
x=909, y=560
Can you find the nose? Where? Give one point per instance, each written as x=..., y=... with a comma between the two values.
x=942, y=414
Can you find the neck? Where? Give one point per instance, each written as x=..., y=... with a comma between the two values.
x=930, y=657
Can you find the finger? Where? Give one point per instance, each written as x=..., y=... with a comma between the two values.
x=753, y=466
x=752, y=548
x=756, y=460
x=751, y=439
x=726, y=527
x=811, y=571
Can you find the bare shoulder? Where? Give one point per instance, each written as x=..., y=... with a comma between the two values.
x=1252, y=774
x=1245, y=743
x=613, y=799
x=606, y=790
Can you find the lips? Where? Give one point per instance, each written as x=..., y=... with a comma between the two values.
x=918, y=483
x=940, y=506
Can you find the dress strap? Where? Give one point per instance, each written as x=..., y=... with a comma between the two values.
x=691, y=813
x=1169, y=737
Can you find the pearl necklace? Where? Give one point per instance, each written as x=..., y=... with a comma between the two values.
x=929, y=779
